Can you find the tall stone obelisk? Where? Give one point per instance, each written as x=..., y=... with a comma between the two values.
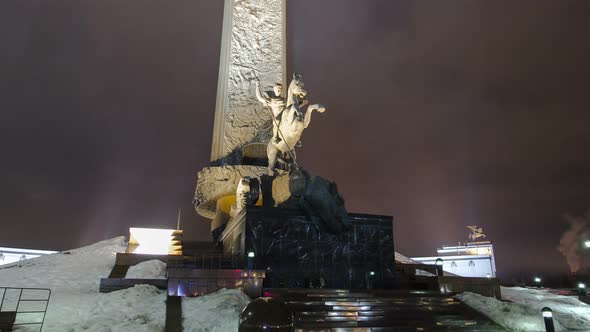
x=253, y=48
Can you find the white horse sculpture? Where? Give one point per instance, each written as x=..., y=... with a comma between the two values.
x=292, y=122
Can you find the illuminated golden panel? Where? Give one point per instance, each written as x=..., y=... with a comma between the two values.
x=155, y=241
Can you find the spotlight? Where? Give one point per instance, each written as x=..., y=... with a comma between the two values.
x=547, y=313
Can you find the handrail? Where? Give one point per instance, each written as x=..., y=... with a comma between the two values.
x=20, y=300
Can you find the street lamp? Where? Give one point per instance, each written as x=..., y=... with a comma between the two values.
x=548, y=318
x=582, y=289
x=439, y=267
x=250, y=260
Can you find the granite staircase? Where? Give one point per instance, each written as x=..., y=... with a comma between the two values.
x=384, y=311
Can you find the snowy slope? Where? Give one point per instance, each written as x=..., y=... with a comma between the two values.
x=512, y=316
x=569, y=311
x=76, y=305
x=217, y=312
x=521, y=309
x=152, y=269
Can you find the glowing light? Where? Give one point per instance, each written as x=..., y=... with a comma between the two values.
x=439, y=262
x=251, y=254
x=587, y=244
x=581, y=285
x=537, y=280
x=154, y=241
x=547, y=313
x=371, y=273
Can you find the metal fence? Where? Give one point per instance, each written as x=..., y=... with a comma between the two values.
x=23, y=307
x=207, y=261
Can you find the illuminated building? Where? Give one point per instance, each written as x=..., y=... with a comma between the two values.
x=475, y=259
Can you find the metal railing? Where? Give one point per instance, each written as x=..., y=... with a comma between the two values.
x=27, y=305
x=206, y=261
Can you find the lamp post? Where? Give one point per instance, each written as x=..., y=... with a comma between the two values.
x=439, y=267
x=251, y=256
x=548, y=318
x=582, y=289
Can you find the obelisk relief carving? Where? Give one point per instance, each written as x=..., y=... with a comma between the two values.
x=253, y=49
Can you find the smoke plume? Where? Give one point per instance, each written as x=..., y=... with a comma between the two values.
x=572, y=240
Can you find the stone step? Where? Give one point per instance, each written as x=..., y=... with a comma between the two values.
x=439, y=320
x=398, y=329
x=373, y=300
x=322, y=292
x=398, y=308
x=395, y=326
x=364, y=302
x=381, y=313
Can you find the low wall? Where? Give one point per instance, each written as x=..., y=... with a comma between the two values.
x=489, y=287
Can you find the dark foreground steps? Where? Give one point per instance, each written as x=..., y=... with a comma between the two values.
x=330, y=310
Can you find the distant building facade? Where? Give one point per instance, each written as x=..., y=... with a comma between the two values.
x=474, y=259
x=13, y=255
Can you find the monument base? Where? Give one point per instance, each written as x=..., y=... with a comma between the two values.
x=296, y=252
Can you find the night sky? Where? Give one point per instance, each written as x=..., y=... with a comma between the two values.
x=442, y=114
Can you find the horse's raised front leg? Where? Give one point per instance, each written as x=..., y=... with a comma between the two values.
x=310, y=109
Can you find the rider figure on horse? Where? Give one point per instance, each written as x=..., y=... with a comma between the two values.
x=274, y=100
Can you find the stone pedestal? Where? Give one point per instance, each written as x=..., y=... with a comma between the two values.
x=296, y=253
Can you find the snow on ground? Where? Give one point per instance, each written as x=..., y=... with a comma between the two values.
x=152, y=269
x=512, y=316
x=572, y=313
x=217, y=312
x=521, y=309
x=76, y=305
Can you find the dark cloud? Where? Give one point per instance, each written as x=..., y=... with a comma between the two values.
x=442, y=114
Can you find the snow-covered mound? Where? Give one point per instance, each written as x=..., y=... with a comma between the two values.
x=138, y=309
x=76, y=305
x=572, y=313
x=512, y=316
x=522, y=311
x=152, y=269
x=217, y=312
x=76, y=270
